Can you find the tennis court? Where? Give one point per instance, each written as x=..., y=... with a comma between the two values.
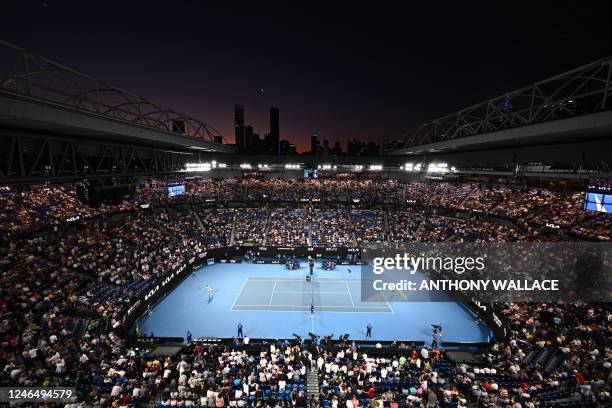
x=273, y=302
x=297, y=295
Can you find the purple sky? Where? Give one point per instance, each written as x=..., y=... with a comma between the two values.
x=340, y=71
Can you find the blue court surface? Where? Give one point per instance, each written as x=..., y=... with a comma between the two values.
x=273, y=302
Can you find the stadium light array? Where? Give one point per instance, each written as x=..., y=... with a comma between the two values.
x=376, y=167
x=412, y=168
x=263, y=166
x=437, y=168
x=358, y=167
x=292, y=166
x=215, y=164
x=245, y=166
x=191, y=167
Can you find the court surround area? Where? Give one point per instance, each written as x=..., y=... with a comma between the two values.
x=273, y=302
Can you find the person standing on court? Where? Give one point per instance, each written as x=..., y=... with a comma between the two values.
x=435, y=339
x=188, y=336
x=240, y=334
x=369, y=330
x=311, y=266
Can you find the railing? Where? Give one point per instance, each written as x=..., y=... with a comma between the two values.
x=38, y=77
x=584, y=90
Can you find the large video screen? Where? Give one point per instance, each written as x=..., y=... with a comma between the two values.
x=311, y=173
x=598, y=202
x=176, y=190
x=599, y=195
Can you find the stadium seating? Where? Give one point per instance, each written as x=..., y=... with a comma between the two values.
x=66, y=282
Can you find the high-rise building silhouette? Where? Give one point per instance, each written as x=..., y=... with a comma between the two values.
x=337, y=149
x=239, y=126
x=274, y=130
x=287, y=148
x=357, y=148
x=249, y=136
x=314, y=143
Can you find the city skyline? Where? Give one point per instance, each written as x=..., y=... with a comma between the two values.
x=371, y=75
x=248, y=140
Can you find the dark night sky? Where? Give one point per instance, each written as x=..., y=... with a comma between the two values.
x=341, y=71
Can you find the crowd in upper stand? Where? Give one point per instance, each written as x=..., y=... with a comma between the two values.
x=65, y=283
x=594, y=226
x=251, y=226
x=26, y=208
x=33, y=207
x=216, y=227
x=124, y=245
x=403, y=225
x=450, y=195
x=287, y=227
x=369, y=226
x=330, y=228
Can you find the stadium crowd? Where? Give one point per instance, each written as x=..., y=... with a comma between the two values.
x=70, y=270
x=251, y=226
x=330, y=228
x=287, y=227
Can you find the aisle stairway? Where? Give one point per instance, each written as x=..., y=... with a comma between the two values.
x=350, y=218
x=312, y=383
x=264, y=241
x=467, y=196
x=198, y=220
x=233, y=234
x=386, y=223
x=546, y=357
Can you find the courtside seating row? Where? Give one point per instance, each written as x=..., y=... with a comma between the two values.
x=570, y=404
x=394, y=385
x=365, y=402
x=267, y=395
x=553, y=395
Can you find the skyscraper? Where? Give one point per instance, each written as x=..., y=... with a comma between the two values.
x=314, y=143
x=274, y=130
x=239, y=125
x=249, y=136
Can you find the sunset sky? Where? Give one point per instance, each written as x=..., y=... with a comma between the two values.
x=342, y=71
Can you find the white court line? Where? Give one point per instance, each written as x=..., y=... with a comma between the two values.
x=300, y=279
x=384, y=297
x=386, y=301
x=292, y=291
x=306, y=310
x=349, y=293
x=308, y=307
x=238, y=294
x=303, y=280
x=272, y=294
